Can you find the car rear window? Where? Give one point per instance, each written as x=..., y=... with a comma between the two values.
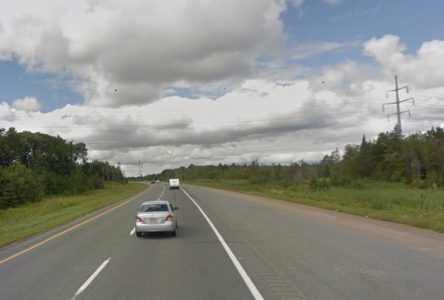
x=153, y=207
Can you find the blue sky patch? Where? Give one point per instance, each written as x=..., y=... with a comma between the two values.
x=53, y=91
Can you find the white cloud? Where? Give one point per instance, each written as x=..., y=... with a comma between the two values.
x=305, y=50
x=26, y=104
x=310, y=49
x=386, y=49
x=346, y=78
x=263, y=119
x=425, y=69
x=141, y=47
x=333, y=2
x=296, y=3
x=7, y=113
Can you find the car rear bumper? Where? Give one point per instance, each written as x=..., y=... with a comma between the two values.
x=167, y=226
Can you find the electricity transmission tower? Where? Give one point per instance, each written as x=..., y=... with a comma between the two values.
x=398, y=113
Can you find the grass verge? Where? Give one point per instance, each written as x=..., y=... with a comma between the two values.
x=394, y=202
x=20, y=222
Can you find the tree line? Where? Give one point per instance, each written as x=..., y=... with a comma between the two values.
x=417, y=159
x=33, y=165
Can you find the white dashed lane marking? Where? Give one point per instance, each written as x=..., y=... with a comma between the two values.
x=91, y=278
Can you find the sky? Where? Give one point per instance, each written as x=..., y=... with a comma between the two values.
x=172, y=83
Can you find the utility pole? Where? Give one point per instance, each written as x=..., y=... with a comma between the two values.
x=398, y=113
x=140, y=175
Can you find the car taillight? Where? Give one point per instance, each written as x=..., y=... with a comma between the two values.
x=138, y=219
x=169, y=218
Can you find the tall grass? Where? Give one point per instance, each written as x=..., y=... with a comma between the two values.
x=381, y=200
x=22, y=221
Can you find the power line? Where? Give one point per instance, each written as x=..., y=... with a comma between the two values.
x=398, y=113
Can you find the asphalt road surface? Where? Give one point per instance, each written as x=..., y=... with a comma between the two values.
x=254, y=248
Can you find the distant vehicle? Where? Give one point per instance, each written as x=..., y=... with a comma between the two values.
x=157, y=181
x=153, y=181
x=156, y=216
x=174, y=183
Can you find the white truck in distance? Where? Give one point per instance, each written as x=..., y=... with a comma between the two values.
x=174, y=183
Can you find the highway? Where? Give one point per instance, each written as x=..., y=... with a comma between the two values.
x=286, y=250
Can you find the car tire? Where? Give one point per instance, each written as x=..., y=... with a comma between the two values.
x=138, y=234
x=174, y=233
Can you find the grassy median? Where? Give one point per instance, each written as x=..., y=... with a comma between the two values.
x=20, y=222
x=395, y=202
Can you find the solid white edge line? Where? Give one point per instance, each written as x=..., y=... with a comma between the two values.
x=92, y=277
x=132, y=231
x=251, y=286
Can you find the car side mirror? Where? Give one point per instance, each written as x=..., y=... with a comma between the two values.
x=175, y=208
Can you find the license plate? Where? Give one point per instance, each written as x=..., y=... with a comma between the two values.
x=153, y=220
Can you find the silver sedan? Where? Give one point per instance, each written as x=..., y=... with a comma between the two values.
x=156, y=216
